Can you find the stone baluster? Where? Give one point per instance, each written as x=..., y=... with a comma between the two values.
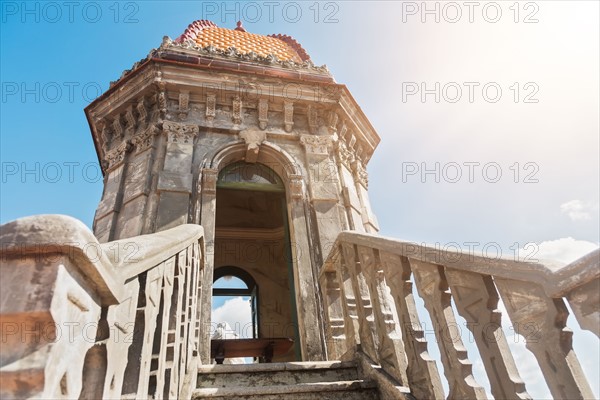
x=476, y=300
x=349, y=302
x=332, y=299
x=121, y=322
x=541, y=320
x=137, y=371
x=433, y=288
x=364, y=307
x=423, y=376
x=391, y=347
x=159, y=346
x=585, y=303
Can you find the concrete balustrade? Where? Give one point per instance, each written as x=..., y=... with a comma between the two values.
x=82, y=319
x=367, y=282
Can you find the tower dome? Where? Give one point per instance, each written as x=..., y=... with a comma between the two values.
x=204, y=33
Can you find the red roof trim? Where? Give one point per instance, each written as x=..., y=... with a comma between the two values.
x=293, y=43
x=193, y=29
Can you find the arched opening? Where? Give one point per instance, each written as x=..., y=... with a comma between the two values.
x=252, y=245
x=235, y=304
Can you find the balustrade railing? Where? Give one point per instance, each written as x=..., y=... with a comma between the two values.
x=367, y=286
x=82, y=319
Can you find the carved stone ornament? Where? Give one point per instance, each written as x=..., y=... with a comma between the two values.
x=117, y=127
x=332, y=121
x=253, y=139
x=211, y=106
x=345, y=156
x=295, y=186
x=184, y=104
x=116, y=156
x=142, y=111
x=180, y=133
x=236, y=114
x=316, y=144
x=145, y=138
x=313, y=119
x=106, y=137
x=360, y=174
x=209, y=180
x=263, y=113
x=130, y=119
x=288, y=115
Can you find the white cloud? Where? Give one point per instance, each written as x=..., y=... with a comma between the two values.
x=236, y=312
x=579, y=210
x=564, y=249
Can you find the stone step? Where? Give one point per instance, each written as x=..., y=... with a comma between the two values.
x=340, y=390
x=289, y=373
x=329, y=380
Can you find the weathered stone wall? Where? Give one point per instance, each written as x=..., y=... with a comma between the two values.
x=165, y=133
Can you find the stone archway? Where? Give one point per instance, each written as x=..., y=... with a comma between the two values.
x=308, y=307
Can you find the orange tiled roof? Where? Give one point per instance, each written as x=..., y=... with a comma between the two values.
x=205, y=33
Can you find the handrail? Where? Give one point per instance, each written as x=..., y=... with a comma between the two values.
x=90, y=320
x=367, y=282
x=555, y=277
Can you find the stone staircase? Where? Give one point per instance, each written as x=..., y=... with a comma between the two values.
x=324, y=380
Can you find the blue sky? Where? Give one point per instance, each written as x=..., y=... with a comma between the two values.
x=533, y=149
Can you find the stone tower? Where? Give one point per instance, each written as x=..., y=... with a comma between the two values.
x=240, y=133
x=230, y=155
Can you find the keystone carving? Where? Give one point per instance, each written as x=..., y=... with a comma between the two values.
x=253, y=139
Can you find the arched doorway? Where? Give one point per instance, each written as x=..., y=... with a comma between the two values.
x=252, y=235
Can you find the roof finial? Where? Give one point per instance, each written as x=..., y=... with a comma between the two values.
x=240, y=27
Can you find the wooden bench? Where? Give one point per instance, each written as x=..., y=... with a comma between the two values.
x=265, y=348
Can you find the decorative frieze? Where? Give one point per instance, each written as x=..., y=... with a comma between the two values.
x=316, y=144
x=236, y=114
x=263, y=113
x=211, y=106
x=180, y=133
x=288, y=115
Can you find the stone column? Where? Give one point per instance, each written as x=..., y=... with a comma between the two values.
x=175, y=180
